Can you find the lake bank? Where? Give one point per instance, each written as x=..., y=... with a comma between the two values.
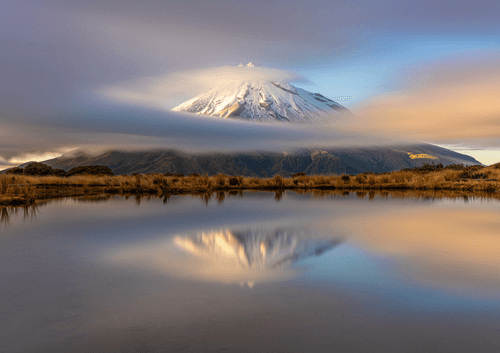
x=25, y=190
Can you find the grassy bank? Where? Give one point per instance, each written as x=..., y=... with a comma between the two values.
x=25, y=190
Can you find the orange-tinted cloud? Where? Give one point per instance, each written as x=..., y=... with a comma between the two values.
x=457, y=98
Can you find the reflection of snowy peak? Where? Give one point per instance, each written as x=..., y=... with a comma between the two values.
x=256, y=248
x=263, y=100
x=247, y=256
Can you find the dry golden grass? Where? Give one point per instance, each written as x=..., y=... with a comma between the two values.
x=21, y=189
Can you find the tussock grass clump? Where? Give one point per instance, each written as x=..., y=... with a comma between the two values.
x=361, y=179
x=254, y=181
x=278, y=181
x=321, y=180
x=220, y=180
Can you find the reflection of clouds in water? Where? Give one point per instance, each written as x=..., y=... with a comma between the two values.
x=456, y=249
x=231, y=256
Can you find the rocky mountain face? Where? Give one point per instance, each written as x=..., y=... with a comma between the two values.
x=310, y=161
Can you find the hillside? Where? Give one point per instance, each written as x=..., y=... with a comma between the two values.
x=311, y=161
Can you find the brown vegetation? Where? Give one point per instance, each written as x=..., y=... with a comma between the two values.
x=41, y=169
x=25, y=189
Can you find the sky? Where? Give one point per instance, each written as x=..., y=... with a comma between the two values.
x=423, y=71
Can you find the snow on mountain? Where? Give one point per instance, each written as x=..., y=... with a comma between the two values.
x=262, y=99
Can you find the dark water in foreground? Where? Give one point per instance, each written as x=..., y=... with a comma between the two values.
x=305, y=274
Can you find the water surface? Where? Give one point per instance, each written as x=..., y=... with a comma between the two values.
x=252, y=274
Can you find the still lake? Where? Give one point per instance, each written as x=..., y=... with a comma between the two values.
x=252, y=274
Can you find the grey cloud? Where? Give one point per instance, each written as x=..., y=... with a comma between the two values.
x=295, y=19
x=52, y=51
x=107, y=126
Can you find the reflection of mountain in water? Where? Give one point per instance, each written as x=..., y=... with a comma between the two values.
x=247, y=256
x=256, y=248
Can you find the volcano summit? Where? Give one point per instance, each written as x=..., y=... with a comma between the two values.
x=261, y=99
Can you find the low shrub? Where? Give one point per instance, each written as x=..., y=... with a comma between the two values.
x=14, y=171
x=37, y=168
x=59, y=172
x=345, y=178
x=475, y=167
x=425, y=168
x=455, y=167
x=90, y=170
x=234, y=181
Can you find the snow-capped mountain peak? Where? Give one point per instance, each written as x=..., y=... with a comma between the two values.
x=256, y=97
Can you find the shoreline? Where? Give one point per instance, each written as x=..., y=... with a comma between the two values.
x=21, y=190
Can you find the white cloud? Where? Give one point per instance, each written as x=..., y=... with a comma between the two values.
x=174, y=88
x=485, y=155
x=38, y=156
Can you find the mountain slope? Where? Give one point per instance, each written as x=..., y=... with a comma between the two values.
x=310, y=161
